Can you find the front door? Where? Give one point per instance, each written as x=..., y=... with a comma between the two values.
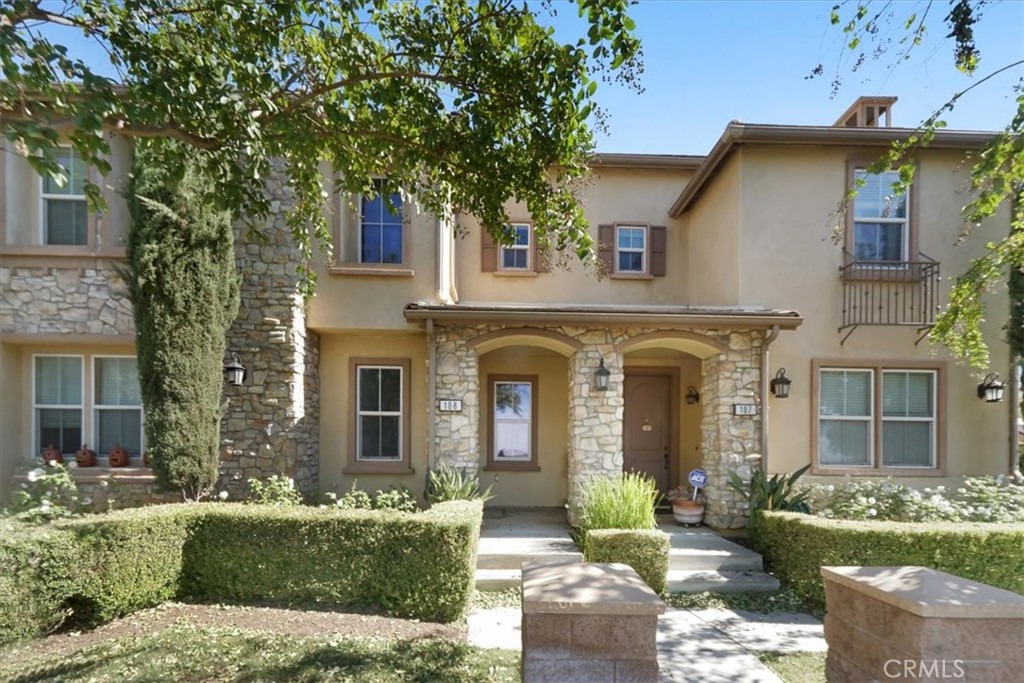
x=647, y=428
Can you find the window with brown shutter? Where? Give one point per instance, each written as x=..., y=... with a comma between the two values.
x=633, y=250
x=520, y=258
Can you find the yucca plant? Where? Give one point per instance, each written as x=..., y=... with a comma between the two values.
x=624, y=502
x=777, y=493
x=445, y=483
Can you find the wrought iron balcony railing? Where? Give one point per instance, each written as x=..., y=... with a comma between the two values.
x=890, y=293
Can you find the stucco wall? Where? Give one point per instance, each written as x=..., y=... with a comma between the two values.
x=713, y=229
x=11, y=407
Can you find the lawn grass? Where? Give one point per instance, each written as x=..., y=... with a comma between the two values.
x=802, y=667
x=185, y=652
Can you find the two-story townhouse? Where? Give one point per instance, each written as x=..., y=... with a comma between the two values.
x=426, y=342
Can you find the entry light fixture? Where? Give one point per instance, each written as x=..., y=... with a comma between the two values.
x=692, y=395
x=234, y=371
x=780, y=385
x=601, y=376
x=991, y=389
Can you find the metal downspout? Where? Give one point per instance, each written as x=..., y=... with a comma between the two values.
x=1015, y=390
x=432, y=392
x=764, y=396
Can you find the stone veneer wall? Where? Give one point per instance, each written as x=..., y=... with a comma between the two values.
x=595, y=418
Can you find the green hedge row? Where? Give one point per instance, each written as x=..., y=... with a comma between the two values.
x=796, y=546
x=644, y=550
x=105, y=566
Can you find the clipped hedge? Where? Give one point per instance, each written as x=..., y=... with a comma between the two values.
x=91, y=570
x=796, y=546
x=645, y=550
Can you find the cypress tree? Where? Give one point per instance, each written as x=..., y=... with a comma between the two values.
x=184, y=291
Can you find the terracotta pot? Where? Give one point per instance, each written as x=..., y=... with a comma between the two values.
x=689, y=512
x=52, y=454
x=119, y=456
x=85, y=456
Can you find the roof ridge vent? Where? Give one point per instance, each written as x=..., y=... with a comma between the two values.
x=867, y=112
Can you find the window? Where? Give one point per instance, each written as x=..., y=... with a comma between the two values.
x=57, y=402
x=630, y=249
x=64, y=215
x=878, y=417
x=512, y=422
x=117, y=405
x=881, y=219
x=517, y=255
x=379, y=427
x=380, y=230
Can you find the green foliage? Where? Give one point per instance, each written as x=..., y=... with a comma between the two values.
x=624, y=502
x=277, y=490
x=645, y=550
x=399, y=498
x=796, y=546
x=48, y=492
x=464, y=103
x=777, y=493
x=91, y=570
x=183, y=288
x=445, y=482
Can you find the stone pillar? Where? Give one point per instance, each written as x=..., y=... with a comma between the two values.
x=457, y=435
x=729, y=441
x=595, y=417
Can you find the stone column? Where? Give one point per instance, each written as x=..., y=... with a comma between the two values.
x=457, y=435
x=595, y=417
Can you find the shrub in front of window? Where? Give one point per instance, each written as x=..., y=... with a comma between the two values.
x=48, y=492
x=777, y=493
x=183, y=285
x=645, y=550
x=276, y=490
x=445, y=483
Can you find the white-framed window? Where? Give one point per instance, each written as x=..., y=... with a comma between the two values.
x=63, y=209
x=881, y=218
x=517, y=255
x=630, y=249
x=117, y=405
x=380, y=227
x=878, y=418
x=379, y=412
x=57, y=402
x=513, y=423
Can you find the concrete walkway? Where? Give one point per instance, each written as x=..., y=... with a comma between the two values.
x=694, y=646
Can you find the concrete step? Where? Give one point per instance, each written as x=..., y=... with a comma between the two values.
x=685, y=581
x=498, y=579
x=714, y=560
x=516, y=560
x=512, y=552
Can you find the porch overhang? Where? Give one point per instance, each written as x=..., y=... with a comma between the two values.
x=669, y=317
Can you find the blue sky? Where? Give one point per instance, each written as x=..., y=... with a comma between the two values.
x=707, y=63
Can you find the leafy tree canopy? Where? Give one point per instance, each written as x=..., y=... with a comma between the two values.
x=466, y=103
x=876, y=30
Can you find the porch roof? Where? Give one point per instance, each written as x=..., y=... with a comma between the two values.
x=680, y=317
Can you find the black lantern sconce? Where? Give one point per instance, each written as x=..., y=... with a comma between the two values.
x=991, y=389
x=601, y=376
x=692, y=395
x=234, y=371
x=780, y=385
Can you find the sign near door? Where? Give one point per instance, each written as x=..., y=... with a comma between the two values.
x=450, y=405
x=744, y=409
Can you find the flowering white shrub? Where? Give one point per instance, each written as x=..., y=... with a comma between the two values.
x=48, y=492
x=277, y=490
x=980, y=499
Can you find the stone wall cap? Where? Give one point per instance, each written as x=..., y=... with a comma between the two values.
x=929, y=593
x=586, y=588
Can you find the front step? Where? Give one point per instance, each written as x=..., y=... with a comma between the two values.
x=492, y=580
x=687, y=581
x=495, y=560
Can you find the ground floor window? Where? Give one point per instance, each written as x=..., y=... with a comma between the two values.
x=379, y=426
x=512, y=421
x=57, y=402
x=117, y=405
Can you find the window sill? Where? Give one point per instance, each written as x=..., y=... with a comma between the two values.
x=847, y=471
x=132, y=473
x=371, y=270
x=378, y=468
x=515, y=273
x=511, y=467
x=631, y=276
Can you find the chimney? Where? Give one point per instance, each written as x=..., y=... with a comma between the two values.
x=867, y=112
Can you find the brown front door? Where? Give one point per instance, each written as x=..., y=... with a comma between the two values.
x=647, y=428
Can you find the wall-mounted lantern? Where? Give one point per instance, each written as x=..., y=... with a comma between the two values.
x=991, y=389
x=234, y=371
x=692, y=395
x=601, y=376
x=780, y=385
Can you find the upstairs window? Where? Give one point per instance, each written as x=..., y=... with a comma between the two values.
x=65, y=218
x=57, y=403
x=380, y=229
x=630, y=249
x=517, y=255
x=881, y=219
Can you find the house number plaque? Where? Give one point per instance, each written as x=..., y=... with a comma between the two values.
x=744, y=409
x=450, y=405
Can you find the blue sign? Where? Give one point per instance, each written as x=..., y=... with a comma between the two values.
x=698, y=479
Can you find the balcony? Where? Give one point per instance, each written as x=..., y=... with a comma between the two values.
x=889, y=293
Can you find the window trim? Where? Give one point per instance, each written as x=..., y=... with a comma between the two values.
x=877, y=367
x=645, y=253
x=96, y=407
x=38, y=447
x=528, y=269
x=44, y=196
x=910, y=239
x=353, y=464
x=347, y=208
x=494, y=464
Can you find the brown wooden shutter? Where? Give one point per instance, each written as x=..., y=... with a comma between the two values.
x=659, y=238
x=606, y=247
x=488, y=252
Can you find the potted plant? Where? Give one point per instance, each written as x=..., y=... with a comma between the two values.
x=119, y=456
x=85, y=456
x=687, y=505
x=52, y=454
